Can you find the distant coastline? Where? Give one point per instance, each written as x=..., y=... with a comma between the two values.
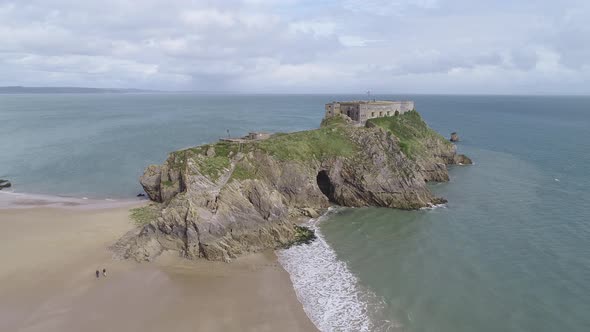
x=86, y=90
x=66, y=89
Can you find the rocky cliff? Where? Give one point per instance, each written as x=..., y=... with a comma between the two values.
x=220, y=200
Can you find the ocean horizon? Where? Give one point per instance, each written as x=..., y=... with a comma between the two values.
x=508, y=252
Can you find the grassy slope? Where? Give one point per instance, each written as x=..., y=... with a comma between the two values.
x=145, y=214
x=330, y=140
x=327, y=141
x=209, y=166
x=412, y=132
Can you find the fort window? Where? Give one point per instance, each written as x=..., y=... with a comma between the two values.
x=396, y=113
x=380, y=113
x=372, y=114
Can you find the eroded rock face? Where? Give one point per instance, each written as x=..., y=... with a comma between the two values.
x=250, y=202
x=434, y=166
x=150, y=181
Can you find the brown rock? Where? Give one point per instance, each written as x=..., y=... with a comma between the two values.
x=211, y=152
x=309, y=212
x=150, y=181
x=247, y=205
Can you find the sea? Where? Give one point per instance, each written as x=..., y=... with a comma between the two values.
x=510, y=251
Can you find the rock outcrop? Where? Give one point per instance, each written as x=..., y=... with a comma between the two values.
x=5, y=184
x=221, y=200
x=454, y=137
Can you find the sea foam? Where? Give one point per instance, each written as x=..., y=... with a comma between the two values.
x=434, y=206
x=331, y=295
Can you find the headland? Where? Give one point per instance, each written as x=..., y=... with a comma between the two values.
x=211, y=204
x=222, y=200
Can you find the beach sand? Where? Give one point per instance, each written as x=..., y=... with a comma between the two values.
x=48, y=259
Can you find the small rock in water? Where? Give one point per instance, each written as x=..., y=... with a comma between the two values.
x=454, y=137
x=5, y=184
x=141, y=195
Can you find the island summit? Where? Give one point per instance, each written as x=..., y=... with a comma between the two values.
x=362, y=110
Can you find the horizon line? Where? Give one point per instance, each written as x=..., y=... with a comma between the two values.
x=142, y=90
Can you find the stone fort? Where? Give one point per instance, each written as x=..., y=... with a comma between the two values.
x=362, y=110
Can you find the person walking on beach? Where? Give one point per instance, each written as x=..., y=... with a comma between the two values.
x=97, y=274
x=104, y=273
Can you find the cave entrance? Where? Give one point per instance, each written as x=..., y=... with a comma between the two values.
x=326, y=185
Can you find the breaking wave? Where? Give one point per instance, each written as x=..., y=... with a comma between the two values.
x=434, y=206
x=331, y=295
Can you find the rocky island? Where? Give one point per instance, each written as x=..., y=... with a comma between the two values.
x=221, y=200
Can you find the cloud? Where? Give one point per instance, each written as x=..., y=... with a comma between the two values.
x=389, y=7
x=299, y=45
x=315, y=28
x=356, y=41
x=204, y=17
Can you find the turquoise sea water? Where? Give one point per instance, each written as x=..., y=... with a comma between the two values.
x=509, y=252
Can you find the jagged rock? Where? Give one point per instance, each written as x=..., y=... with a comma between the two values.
x=161, y=183
x=454, y=137
x=211, y=152
x=309, y=212
x=461, y=159
x=245, y=198
x=150, y=181
x=5, y=184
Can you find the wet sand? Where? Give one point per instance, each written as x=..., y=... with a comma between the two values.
x=48, y=259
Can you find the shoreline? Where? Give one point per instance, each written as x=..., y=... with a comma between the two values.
x=49, y=254
x=17, y=200
x=317, y=273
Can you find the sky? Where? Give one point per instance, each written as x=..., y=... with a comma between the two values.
x=300, y=46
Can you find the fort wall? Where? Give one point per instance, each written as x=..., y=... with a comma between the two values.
x=361, y=111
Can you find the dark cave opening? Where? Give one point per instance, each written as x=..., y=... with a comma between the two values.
x=326, y=185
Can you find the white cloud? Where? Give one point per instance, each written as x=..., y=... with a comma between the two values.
x=298, y=45
x=204, y=17
x=356, y=41
x=389, y=7
x=315, y=28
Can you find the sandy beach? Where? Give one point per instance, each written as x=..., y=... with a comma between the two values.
x=48, y=259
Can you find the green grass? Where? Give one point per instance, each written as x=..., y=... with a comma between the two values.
x=330, y=140
x=336, y=121
x=242, y=172
x=177, y=159
x=303, y=235
x=223, y=149
x=411, y=130
x=312, y=144
x=144, y=215
x=211, y=167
